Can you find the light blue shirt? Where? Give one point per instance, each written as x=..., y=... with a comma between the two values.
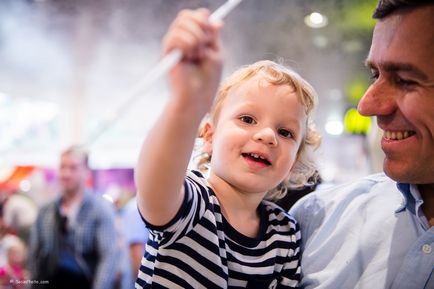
x=367, y=234
x=133, y=225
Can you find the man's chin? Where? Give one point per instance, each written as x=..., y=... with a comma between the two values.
x=401, y=174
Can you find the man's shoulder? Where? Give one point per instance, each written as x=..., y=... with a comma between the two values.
x=97, y=203
x=366, y=182
x=371, y=184
x=367, y=191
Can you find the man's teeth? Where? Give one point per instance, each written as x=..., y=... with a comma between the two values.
x=397, y=135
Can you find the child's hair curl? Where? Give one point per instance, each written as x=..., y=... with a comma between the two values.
x=304, y=170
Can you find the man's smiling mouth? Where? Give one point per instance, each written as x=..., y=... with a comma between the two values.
x=397, y=135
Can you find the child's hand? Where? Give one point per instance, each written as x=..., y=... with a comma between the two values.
x=195, y=79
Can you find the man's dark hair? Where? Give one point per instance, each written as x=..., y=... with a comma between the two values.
x=78, y=151
x=387, y=7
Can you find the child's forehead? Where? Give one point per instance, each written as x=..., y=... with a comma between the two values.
x=259, y=96
x=256, y=87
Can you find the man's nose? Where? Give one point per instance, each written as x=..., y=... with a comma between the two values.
x=378, y=100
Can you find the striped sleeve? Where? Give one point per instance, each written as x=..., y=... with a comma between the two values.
x=185, y=252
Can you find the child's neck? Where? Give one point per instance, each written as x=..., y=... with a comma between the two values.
x=247, y=225
x=239, y=208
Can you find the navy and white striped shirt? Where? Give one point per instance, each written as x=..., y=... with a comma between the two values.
x=200, y=249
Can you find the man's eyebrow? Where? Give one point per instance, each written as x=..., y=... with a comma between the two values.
x=397, y=67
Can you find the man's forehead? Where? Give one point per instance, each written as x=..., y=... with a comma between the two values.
x=404, y=42
x=406, y=25
x=73, y=157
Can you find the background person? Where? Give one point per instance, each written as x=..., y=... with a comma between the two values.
x=73, y=241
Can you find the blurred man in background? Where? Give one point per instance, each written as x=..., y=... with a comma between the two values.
x=379, y=232
x=73, y=241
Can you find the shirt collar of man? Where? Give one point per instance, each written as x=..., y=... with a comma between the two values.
x=412, y=202
x=72, y=214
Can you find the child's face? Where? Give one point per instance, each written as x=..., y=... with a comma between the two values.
x=256, y=137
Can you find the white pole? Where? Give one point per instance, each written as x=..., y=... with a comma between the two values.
x=153, y=75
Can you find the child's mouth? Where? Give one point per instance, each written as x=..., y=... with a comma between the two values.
x=256, y=158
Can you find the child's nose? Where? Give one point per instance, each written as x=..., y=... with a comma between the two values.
x=266, y=135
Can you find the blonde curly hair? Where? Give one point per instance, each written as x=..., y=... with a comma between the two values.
x=304, y=171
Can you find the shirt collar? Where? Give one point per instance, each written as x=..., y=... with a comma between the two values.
x=83, y=202
x=412, y=198
x=408, y=201
x=413, y=202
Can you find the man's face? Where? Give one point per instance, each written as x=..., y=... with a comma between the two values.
x=72, y=173
x=402, y=94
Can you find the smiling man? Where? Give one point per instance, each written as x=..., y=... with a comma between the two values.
x=379, y=232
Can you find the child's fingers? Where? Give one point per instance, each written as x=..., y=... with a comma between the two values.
x=194, y=22
x=183, y=40
x=191, y=32
x=213, y=34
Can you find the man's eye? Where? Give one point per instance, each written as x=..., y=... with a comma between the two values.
x=247, y=119
x=404, y=82
x=284, y=133
x=374, y=75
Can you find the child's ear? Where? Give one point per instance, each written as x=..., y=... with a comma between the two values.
x=207, y=135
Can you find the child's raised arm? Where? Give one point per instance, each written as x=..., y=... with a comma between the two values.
x=167, y=149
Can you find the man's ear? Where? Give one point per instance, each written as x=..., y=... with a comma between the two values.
x=207, y=135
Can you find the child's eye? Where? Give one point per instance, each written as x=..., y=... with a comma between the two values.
x=247, y=119
x=284, y=133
